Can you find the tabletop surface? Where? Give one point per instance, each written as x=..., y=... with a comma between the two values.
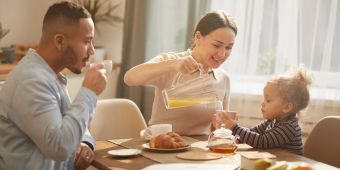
x=104, y=161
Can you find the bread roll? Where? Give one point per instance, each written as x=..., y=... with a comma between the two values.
x=170, y=140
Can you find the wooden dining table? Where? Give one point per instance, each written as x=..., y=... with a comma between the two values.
x=104, y=161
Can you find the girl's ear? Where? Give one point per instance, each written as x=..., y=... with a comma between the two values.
x=288, y=107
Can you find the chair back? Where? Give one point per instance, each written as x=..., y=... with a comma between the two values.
x=323, y=143
x=116, y=118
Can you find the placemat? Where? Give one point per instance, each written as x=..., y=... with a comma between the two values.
x=170, y=157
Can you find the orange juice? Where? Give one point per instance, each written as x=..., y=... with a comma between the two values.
x=188, y=102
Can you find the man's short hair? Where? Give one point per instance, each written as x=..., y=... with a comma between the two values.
x=63, y=13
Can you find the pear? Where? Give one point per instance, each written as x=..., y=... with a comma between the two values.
x=280, y=165
x=262, y=164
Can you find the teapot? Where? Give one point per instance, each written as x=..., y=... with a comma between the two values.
x=222, y=141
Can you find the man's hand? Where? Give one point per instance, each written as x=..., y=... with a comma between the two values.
x=84, y=157
x=95, y=79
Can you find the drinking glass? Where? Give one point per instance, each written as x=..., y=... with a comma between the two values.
x=107, y=66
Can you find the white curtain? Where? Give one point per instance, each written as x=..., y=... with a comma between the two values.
x=277, y=35
x=166, y=27
x=169, y=26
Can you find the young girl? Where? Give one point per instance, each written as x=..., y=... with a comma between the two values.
x=284, y=97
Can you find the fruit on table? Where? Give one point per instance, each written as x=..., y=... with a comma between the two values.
x=263, y=164
x=280, y=165
x=302, y=166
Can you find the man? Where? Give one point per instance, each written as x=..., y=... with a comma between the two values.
x=39, y=127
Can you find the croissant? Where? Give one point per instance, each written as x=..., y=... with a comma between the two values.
x=169, y=140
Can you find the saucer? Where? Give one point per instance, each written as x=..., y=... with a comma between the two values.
x=124, y=152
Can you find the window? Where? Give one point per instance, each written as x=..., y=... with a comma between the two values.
x=275, y=36
x=166, y=27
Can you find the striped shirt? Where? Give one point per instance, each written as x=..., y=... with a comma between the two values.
x=285, y=134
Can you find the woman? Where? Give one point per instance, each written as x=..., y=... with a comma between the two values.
x=213, y=41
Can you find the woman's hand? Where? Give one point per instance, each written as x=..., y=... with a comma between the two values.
x=214, y=122
x=187, y=65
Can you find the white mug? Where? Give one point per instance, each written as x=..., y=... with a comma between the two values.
x=232, y=114
x=155, y=130
x=107, y=65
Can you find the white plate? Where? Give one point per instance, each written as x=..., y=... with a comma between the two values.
x=147, y=147
x=124, y=152
x=190, y=166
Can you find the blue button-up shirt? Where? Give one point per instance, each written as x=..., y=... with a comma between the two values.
x=39, y=127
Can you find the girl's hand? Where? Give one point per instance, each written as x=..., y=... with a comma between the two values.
x=223, y=118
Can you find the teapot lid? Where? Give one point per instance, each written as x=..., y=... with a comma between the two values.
x=223, y=133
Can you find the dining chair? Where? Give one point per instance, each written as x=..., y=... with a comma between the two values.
x=116, y=118
x=322, y=144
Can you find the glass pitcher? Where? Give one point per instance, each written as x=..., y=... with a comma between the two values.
x=199, y=90
x=222, y=141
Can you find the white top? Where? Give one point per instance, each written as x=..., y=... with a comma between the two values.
x=191, y=120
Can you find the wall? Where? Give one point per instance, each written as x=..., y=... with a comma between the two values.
x=24, y=19
x=111, y=36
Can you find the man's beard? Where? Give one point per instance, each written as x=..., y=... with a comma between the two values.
x=71, y=60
